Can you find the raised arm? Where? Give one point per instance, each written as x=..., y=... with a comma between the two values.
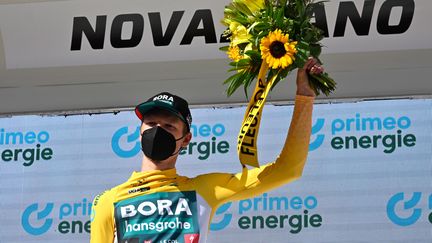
x=303, y=87
x=289, y=164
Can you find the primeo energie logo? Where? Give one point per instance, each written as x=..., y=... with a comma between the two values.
x=39, y=218
x=26, y=147
x=405, y=210
x=365, y=132
x=319, y=138
x=251, y=214
x=206, y=141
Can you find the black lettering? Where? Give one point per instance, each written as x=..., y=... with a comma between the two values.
x=376, y=138
x=117, y=27
x=87, y=226
x=244, y=222
x=409, y=140
x=159, y=38
x=315, y=220
x=365, y=142
x=318, y=12
x=361, y=24
x=250, y=133
x=257, y=220
x=383, y=25
x=244, y=129
x=282, y=218
x=257, y=96
x=305, y=219
x=96, y=36
x=46, y=154
x=354, y=142
x=244, y=150
x=204, y=150
x=63, y=227
x=38, y=151
x=208, y=30
x=296, y=223
x=223, y=147
x=254, y=122
x=250, y=115
x=271, y=221
x=252, y=108
x=261, y=84
x=337, y=143
x=7, y=155
x=28, y=156
x=250, y=144
x=77, y=227
x=191, y=145
x=16, y=155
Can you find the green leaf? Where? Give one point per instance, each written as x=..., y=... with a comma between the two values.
x=315, y=50
x=253, y=55
x=242, y=8
x=259, y=26
x=322, y=83
x=224, y=48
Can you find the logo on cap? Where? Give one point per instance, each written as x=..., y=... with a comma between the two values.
x=164, y=98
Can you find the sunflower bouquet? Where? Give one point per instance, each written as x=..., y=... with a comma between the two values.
x=271, y=37
x=268, y=40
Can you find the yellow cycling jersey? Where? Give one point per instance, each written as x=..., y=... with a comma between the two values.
x=162, y=206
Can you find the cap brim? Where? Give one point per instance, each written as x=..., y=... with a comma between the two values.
x=143, y=108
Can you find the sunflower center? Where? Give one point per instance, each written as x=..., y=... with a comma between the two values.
x=277, y=49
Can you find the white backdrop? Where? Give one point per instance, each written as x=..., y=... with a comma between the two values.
x=51, y=43
x=367, y=179
x=40, y=73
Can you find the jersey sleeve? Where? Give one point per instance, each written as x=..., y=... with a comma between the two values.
x=286, y=168
x=102, y=227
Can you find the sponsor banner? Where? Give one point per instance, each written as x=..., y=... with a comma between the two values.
x=71, y=33
x=368, y=175
x=25, y=147
x=63, y=218
x=290, y=213
x=408, y=209
x=158, y=217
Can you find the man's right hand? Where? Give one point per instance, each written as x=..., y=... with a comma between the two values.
x=311, y=66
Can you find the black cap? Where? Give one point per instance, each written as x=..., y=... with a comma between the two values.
x=166, y=101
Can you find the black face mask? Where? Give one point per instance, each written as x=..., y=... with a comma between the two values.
x=158, y=144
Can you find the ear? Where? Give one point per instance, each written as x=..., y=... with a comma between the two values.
x=187, y=139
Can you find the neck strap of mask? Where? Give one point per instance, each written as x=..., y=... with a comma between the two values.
x=178, y=151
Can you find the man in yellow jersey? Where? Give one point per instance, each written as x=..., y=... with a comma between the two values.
x=158, y=205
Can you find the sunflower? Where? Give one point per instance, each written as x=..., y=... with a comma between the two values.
x=277, y=50
x=234, y=53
